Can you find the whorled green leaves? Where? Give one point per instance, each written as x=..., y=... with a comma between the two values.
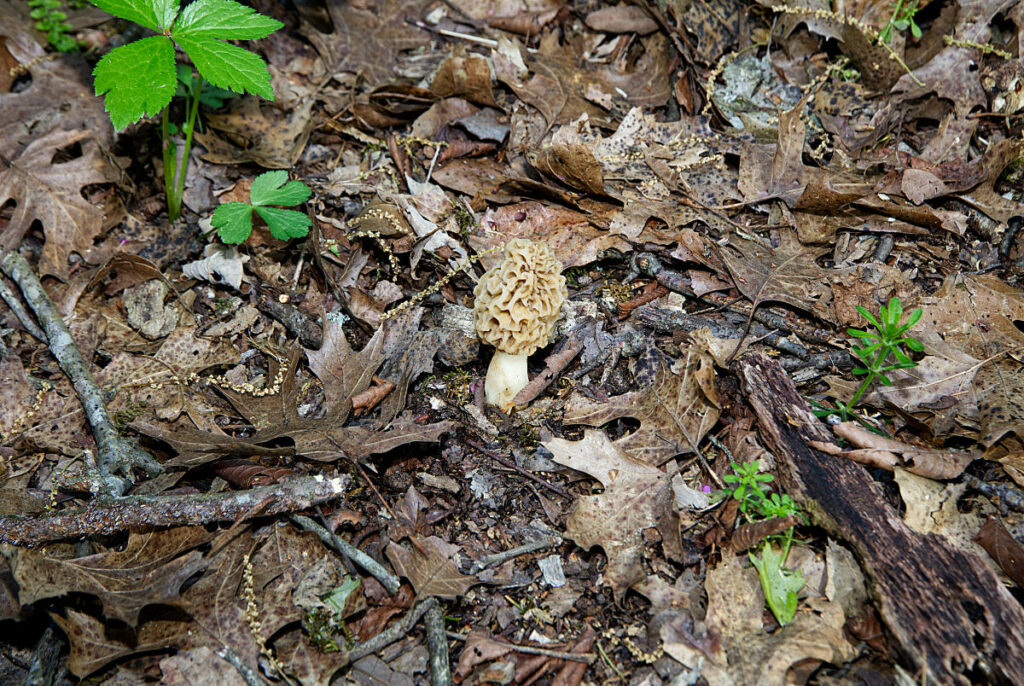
x=233, y=220
x=139, y=78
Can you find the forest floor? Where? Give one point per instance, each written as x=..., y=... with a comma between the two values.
x=709, y=485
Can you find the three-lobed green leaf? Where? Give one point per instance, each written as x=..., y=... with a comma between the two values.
x=233, y=220
x=138, y=79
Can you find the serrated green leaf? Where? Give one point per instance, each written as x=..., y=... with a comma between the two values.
x=138, y=79
x=233, y=221
x=228, y=66
x=269, y=188
x=153, y=14
x=285, y=224
x=224, y=19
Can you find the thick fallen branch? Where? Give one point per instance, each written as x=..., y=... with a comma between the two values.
x=948, y=613
x=129, y=512
x=116, y=457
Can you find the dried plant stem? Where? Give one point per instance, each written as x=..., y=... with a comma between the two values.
x=116, y=457
x=371, y=566
x=170, y=510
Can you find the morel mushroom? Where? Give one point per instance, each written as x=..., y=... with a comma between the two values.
x=517, y=303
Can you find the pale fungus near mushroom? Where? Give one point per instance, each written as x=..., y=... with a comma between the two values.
x=517, y=303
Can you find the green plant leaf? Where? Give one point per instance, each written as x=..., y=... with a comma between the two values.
x=914, y=344
x=138, y=79
x=270, y=188
x=780, y=584
x=233, y=221
x=153, y=14
x=228, y=66
x=285, y=224
x=224, y=19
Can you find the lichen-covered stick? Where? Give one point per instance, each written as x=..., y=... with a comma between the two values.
x=116, y=457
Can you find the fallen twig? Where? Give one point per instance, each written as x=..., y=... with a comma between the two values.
x=115, y=456
x=505, y=555
x=14, y=302
x=249, y=675
x=437, y=645
x=107, y=517
x=570, y=347
x=371, y=566
x=531, y=650
x=309, y=333
x=512, y=465
x=393, y=632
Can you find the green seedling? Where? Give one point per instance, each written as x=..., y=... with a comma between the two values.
x=233, y=220
x=50, y=19
x=139, y=79
x=886, y=340
x=780, y=584
x=748, y=491
x=902, y=19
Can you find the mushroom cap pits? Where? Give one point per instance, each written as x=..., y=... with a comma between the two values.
x=518, y=300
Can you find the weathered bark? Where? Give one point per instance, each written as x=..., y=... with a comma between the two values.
x=946, y=610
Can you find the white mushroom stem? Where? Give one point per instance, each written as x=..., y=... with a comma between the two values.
x=506, y=376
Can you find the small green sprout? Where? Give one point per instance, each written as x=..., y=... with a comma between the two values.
x=887, y=339
x=902, y=18
x=233, y=220
x=757, y=505
x=748, y=491
x=50, y=19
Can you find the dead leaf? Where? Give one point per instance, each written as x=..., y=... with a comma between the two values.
x=251, y=135
x=1003, y=547
x=675, y=412
x=787, y=273
x=569, y=233
x=464, y=76
x=344, y=372
x=150, y=570
x=622, y=19
x=574, y=165
x=430, y=567
x=368, y=41
x=51, y=192
x=195, y=666
x=636, y=496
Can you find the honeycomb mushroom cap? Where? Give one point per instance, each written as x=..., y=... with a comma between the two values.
x=518, y=300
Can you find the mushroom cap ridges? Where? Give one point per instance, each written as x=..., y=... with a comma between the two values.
x=518, y=300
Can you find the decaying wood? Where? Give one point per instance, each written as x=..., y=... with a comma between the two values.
x=948, y=613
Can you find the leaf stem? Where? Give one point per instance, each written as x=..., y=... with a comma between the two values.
x=170, y=163
x=189, y=130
